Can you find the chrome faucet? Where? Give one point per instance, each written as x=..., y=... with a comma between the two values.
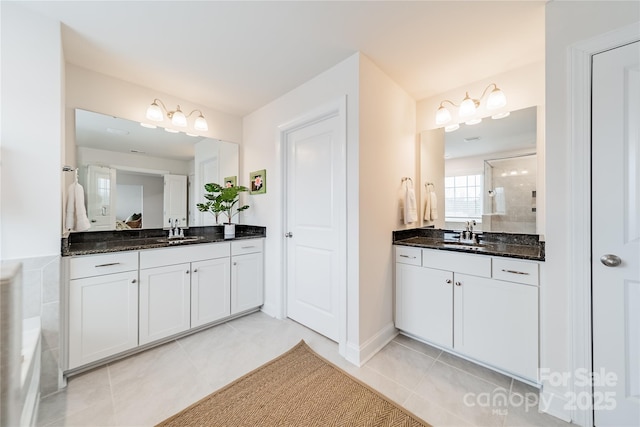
x=468, y=235
x=174, y=228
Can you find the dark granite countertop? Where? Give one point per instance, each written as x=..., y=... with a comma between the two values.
x=98, y=242
x=522, y=246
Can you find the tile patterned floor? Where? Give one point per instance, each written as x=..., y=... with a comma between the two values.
x=144, y=389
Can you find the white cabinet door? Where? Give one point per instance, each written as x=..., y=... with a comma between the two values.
x=175, y=200
x=246, y=282
x=424, y=303
x=497, y=322
x=164, y=301
x=210, y=294
x=103, y=316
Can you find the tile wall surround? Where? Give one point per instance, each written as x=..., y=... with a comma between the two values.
x=520, y=212
x=41, y=297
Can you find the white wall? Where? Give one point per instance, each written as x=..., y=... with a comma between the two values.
x=567, y=23
x=380, y=151
x=261, y=150
x=523, y=87
x=387, y=147
x=32, y=129
x=32, y=117
x=100, y=93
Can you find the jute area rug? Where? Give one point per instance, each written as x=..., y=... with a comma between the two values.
x=298, y=388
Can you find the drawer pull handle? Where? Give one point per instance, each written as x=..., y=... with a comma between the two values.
x=458, y=283
x=448, y=281
x=195, y=271
x=515, y=272
x=407, y=256
x=107, y=264
x=134, y=281
x=247, y=247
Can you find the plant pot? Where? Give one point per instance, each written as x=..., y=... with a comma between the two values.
x=229, y=231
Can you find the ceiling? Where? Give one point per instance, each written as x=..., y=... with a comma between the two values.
x=236, y=56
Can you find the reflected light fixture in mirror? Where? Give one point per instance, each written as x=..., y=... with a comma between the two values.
x=468, y=107
x=157, y=111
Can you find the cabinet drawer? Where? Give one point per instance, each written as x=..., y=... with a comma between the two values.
x=408, y=255
x=476, y=265
x=151, y=258
x=515, y=271
x=96, y=265
x=239, y=247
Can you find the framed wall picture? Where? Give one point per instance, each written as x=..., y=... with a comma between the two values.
x=230, y=181
x=258, y=180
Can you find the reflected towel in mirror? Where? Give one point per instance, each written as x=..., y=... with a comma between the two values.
x=76, y=219
x=431, y=204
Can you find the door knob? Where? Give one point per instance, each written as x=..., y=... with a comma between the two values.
x=288, y=234
x=448, y=281
x=458, y=283
x=610, y=260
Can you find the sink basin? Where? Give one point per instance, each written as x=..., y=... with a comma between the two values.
x=178, y=240
x=468, y=246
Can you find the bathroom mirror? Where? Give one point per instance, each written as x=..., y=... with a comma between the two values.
x=138, y=177
x=485, y=172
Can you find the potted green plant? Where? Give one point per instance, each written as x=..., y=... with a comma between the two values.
x=213, y=203
x=223, y=199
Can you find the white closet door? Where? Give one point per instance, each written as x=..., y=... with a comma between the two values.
x=616, y=235
x=315, y=211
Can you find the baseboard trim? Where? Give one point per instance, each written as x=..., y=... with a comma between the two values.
x=555, y=405
x=359, y=355
x=271, y=310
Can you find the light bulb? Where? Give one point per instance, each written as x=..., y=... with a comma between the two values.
x=442, y=115
x=148, y=125
x=201, y=124
x=473, y=122
x=451, y=128
x=178, y=118
x=496, y=99
x=467, y=107
x=171, y=130
x=501, y=115
x=154, y=112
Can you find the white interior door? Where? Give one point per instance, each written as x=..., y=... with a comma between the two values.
x=101, y=209
x=315, y=217
x=175, y=200
x=616, y=235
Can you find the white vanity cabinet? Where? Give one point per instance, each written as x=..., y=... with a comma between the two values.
x=210, y=291
x=497, y=322
x=481, y=307
x=166, y=288
x=247, y=276
x=164, y=301
x=103, y=306
x=424, y=297
x=120, y=301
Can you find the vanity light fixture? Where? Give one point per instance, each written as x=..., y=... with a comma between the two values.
x=469, y=106
x=156, y=113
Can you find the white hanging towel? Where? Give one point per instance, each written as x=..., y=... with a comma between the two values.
x=410, y=206
x=431, y=204
x=76, y=212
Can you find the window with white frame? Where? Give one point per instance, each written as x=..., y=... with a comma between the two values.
x=463, y=197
